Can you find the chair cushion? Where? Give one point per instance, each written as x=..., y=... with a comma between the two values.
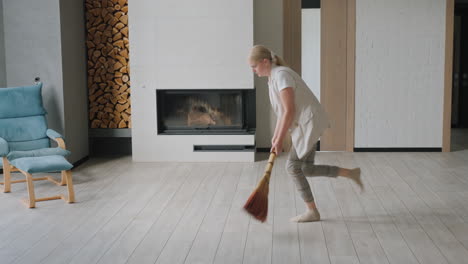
x=29, y=145
x=21, y=101
x=37, y=153
x=23, y=128
x=42, y=164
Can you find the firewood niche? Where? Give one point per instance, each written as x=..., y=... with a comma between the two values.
x=108, y=63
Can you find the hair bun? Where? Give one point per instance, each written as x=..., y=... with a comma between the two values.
x=273, y=56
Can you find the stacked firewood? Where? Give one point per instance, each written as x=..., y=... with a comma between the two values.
x=108, y=65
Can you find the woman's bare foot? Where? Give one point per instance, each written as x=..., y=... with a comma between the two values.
x=353, y=174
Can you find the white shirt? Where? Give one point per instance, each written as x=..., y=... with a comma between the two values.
x=310, y=119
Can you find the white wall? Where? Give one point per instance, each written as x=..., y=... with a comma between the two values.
x=186, y=45
x=33, y=48
x=311, y=49
x=399, y=73
x=201, y=44
x=268, y=31
x=38, y=44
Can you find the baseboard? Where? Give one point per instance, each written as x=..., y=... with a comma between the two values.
x=376, y=149
x=397, y=149
x=81, y=161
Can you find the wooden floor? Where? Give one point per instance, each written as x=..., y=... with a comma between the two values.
x=414, y=210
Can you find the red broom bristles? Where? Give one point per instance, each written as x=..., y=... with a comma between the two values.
x=257, y=204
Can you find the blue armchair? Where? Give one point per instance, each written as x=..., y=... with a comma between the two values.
x=25, y=142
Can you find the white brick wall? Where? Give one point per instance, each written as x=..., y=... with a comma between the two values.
x=399, y=73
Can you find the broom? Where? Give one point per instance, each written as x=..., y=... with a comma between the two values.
x=257, y=204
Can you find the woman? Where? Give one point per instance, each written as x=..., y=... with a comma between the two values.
x=298, y=111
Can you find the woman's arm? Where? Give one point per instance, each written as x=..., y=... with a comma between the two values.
x=286, y=119
x=277, y=128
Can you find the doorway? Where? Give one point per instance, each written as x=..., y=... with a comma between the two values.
x=459, y=110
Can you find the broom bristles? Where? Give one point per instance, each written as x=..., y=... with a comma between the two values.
x=257, y=204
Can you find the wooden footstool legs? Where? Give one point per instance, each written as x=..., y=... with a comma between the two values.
x=66, y=178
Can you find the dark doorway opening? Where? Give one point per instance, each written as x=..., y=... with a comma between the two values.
x=459, y=123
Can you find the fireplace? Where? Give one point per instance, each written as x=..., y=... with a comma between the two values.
x=206, y=111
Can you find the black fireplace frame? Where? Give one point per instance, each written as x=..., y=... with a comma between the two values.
x=248, y=115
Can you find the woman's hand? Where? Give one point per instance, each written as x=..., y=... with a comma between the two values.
x=277, y=146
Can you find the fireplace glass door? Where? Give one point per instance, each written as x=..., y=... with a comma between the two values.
x=200, y=111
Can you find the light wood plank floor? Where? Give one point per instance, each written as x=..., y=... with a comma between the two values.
x=414, y=210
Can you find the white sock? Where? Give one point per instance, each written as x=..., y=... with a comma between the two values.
x=308, y=216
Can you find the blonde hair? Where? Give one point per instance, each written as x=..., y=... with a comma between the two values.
x=260, y=52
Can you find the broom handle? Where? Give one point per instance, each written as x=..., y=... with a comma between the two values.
x=269, y=166
x=266, y=175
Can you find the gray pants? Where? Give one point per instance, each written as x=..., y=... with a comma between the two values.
x=299, y=169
